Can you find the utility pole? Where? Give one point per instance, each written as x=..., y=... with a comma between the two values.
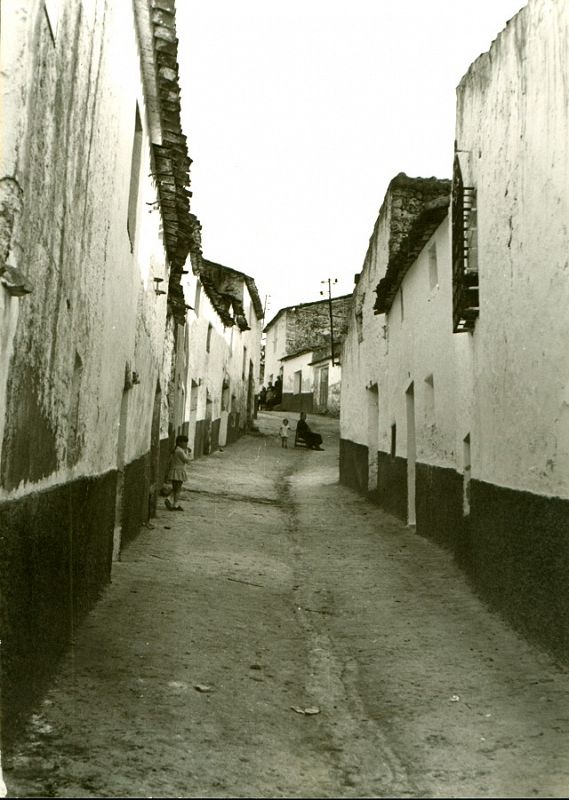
x=330, y=282
x=267, y=298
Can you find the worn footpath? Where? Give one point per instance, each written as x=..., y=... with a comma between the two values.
x=282, y=637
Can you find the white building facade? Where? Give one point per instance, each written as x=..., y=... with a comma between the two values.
x=367, y=427
x=298, y=349
x=463, y=395
x=222, y=342
x=511, y=176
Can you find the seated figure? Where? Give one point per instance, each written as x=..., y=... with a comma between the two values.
x=313, y=440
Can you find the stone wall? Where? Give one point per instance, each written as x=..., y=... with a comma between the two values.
x=308, y=325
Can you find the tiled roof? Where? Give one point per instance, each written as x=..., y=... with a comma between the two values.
x=171, y=159
x=297, y=353
x=217, y=282
x=249, y=281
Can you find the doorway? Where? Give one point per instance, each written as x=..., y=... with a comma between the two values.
x=323, y=389
x=250, y=395
x=411, y=454
x=372, y=435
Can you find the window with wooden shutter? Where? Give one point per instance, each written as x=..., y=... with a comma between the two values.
x=465, y=298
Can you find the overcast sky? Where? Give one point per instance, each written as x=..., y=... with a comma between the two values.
x=299, y=113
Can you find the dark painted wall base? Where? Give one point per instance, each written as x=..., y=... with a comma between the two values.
x=297, y=402
x=214, y=444
x=513, y=545
x=392, y=484
x=354, y=465
x=438, y=504
x=233, y=430
x=136, y=498
x=55, y=557
x=201, y=438
x=206, y=438
x=518, y=559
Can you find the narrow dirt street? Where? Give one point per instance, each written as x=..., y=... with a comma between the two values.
x=277, y=589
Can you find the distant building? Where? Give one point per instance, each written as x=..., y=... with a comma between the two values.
x=219, y=355
x=298, y=349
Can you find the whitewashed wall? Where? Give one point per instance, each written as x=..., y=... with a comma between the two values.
x=93, y=296
x=275, y=348
x=292, y=365
x=364, y=347
x=513, y=123
x=207, y=371
x=423, y=350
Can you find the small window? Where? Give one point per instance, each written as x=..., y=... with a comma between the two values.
x=244, y=362
x=393, y=440
x=433, y=267
x=464, y=253
x=134, y=178
x=208, y=339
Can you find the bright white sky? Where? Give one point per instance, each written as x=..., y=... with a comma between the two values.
x=299, y=113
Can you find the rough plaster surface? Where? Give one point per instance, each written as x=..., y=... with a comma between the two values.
x=306, y=326
x=512, y=122
x=506, y=385
x=424, y=351
x=93, y=302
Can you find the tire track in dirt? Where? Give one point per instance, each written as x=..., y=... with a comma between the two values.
x=365, y=763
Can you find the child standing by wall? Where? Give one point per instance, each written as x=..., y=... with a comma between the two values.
x=283, y=432
x=177, y=471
